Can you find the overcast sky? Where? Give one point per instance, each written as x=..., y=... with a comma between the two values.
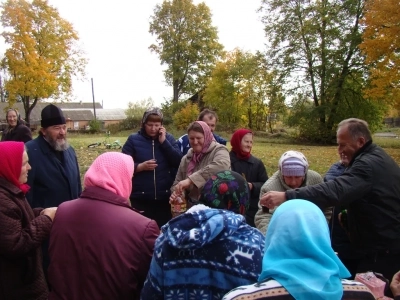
x=115, y=36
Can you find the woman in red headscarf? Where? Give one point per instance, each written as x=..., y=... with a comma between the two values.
x=250, y=167
x=22, y=230
x=205, y=158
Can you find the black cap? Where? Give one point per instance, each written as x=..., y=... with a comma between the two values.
x=52, y=115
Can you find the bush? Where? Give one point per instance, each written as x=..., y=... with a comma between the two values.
x=95, y=126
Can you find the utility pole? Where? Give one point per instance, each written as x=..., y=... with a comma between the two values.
x=94, y=104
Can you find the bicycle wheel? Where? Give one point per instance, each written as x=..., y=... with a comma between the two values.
x=94, y=145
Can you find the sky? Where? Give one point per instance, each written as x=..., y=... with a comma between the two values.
x=115, y=38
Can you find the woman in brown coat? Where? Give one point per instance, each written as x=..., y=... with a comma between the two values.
x=22, y=230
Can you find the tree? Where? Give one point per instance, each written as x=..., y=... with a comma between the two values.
x=241, y=89
x=43, y=55
x=314, y=47
x=381, y=46
x=186, y=43
x=186, y=115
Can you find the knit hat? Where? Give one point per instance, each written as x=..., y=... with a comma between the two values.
x=293, y=163
x=226, y=190
x=112, y=171
x=152, y=111
x=52, y=115
x=11, y=163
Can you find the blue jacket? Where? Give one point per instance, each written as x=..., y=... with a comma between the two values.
x=51, y=181
x=152, y=185
x=184, y=146
x=202, y=255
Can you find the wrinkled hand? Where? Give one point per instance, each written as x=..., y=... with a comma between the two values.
x=182, y=185
x=173, y=199
x=272, y=199
x=50, y=212
x=148, y=165
x=395, y=284
x=162, y=134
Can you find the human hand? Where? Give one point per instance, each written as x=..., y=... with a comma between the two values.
x=162, y=134
x=395, y=285
x=50, y=212
x=148, y=165
x=250, y=186
x=182, y=185
x=272, y=199
x=175, y=197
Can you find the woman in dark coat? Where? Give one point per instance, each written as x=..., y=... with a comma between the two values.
x=22, y=230
x=250, y=167
x=16, y=130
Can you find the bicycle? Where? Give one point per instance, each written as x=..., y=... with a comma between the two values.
x=114, y=145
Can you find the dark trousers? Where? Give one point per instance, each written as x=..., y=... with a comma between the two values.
x=157, y=210
x=385, y=263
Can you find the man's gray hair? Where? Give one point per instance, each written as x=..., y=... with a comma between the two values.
x=357, y=128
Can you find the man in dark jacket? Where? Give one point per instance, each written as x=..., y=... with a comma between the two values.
x=54, y=177
x=369, y=189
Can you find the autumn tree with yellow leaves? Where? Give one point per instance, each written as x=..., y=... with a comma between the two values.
x=42, y=55
x=381, y=46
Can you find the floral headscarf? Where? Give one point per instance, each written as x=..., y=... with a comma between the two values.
x=236, y=141
x=226, y=190
x=208, y=138
x=152, y=111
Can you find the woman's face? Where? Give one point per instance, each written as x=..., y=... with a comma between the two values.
x=12, y=118
x=196, y=141
x=23, y=178
x=247, y=143
x=152, y=128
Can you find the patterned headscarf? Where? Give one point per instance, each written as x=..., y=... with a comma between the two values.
x=236, y=141
x=11, y=163
x=297, y=241
x=226, y=190
x=152, y=111
x=208, y=138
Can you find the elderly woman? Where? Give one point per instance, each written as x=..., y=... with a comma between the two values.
x=16, y=130
x=157, y=158
x=293, y=173
x=250, y=167
x=206, y=252
x=205, y=158
x=22, y=230
x=100, y=247
x=299, y=262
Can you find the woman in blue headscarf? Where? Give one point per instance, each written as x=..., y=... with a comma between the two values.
x=299, y=262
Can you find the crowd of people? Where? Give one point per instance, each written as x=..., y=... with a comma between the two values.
x=294, y=235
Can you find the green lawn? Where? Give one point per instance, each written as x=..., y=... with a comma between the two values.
x=268, y=150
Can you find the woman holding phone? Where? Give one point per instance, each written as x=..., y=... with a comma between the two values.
x=156, y=160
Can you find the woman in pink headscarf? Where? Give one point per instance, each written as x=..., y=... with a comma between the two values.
x=205, y=158
x=100, y=247
x=22, y=230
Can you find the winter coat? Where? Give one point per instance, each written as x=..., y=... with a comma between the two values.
x=19, y=133
x=202, y=255
x=184, y=145
x=253, y=170
x=156, y=184
x=276, y=183
x=52, y=182
x=100, y=248
x=214, y=160
x=369, y=189
x=22, y=232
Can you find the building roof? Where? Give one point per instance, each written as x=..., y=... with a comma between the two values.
x=35, y=114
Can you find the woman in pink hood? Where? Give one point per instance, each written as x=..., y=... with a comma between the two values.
x=100, y=247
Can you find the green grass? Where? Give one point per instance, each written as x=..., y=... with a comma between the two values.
x=268, y=150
